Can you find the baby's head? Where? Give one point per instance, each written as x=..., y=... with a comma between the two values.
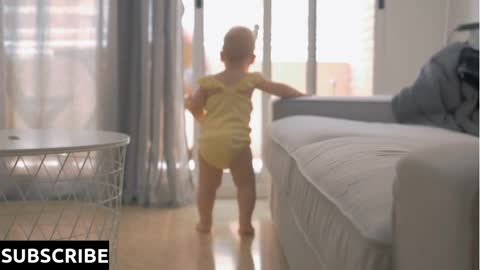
x=238, y=47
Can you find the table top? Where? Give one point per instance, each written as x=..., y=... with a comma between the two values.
x=43, y=141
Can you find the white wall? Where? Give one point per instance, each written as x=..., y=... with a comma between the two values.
x=462, y=11
x=411, y=32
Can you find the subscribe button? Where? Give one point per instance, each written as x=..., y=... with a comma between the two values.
x=54, y=255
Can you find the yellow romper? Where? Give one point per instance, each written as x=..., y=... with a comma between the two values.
x=225, y=130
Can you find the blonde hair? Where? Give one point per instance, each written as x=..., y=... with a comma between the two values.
x=238, y=44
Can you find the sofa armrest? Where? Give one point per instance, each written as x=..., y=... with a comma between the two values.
x=370, y=109
x=435, y=212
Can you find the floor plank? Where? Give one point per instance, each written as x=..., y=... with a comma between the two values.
x=165, y=239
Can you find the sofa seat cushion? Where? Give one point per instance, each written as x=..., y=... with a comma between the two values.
x=339, y=183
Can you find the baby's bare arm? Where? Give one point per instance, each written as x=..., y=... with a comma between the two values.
x=279, y=89
x=196, y=103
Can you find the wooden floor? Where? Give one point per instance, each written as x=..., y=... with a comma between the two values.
x=165, y=239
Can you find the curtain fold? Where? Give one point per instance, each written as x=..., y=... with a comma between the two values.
x=175, y=137
x=3, y=97
x=157, y=163
x=102, y=64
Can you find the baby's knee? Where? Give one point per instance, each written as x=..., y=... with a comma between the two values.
x=245, y=183
x=209, y=188
x=216, y=185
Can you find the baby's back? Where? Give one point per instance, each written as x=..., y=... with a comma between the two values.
x=225, y=127
x=228, y=106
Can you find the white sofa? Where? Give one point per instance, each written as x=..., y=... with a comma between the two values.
x=353, y=190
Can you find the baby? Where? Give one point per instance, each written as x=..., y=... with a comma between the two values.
x=222, y=105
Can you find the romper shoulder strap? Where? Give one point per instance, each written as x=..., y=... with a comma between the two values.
x=250, y=81
x=209, y=82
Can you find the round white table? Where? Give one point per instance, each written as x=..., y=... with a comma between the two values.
x=61, y=185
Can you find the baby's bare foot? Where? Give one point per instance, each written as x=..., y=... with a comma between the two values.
x=201, y=228
x=246, y=230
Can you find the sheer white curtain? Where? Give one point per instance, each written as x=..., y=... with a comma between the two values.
x=102, y=64
x=54, y=52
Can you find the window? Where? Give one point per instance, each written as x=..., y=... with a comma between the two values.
x=344, y=47
x=289, y=42
x=32, y=27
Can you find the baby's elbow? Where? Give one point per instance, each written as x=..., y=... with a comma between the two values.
x=198, y=115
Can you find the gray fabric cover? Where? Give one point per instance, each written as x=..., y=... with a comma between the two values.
x=438, y=97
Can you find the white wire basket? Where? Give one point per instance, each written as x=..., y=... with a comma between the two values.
x=67, y=194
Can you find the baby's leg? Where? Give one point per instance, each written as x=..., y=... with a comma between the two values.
x=244, y=178
x=208, y=183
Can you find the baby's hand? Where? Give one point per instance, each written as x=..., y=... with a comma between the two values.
x=195, y=103
x=297, y=95
x=187, y=100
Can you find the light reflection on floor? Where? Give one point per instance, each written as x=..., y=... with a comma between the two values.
x=218, y=255
x=165, y=239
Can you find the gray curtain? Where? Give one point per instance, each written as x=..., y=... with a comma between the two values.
x=102, y=64
x=151, y=85
x=3, y=107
